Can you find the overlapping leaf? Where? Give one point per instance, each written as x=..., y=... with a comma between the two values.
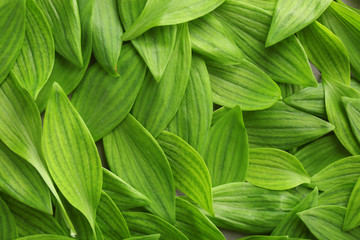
x=34, y=64
x=102, y=100
x=275, y=169
x=145, y=237
x=338, y=195
x=135, y=156
x=67, y=142
x=159, y=13
x=192, y=120
x=107, y=34
x=190, y=172
x=352, y=107
x=292, y=16
x=244, y=84
x=326, y=51
x=325, y=222
x=45, y=237
x=157, y=103
x=64, y=20
x=195, y=225
x=352, y=216
x=7, y=222
x=283, y=127
x=12, y=28
x=210, y=39
x=288, y=89
x=156, y=45
x=226, y=149
x=346, y=170
x=285, y=62
x=264, y=237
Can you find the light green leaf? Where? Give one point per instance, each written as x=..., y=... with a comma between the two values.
x=249, y=24
x=12, y=28
x=317, y=155
x=20, y=180
x=259, y=237
x=346, y=170
x=234, y=211
x=102, y=100
x=65, y=73
x=345, y=23
x=45, y=237
x=325, y=223
x=244, y=84
x=157, y=103
x=352, y=216
x=210, y=39
x=338, y=195
x=135, y=156
x=110, y=220
x=64, y=20
x=107, y=34
x=67, y=142
x=191, y=175
x=352, y=107
x=291, y=225
x=283, y=127
x=7, y=222
x=326, y=51
x=194, y=224
x=156, y=45
x=123, y=195
x=336, y=113
x=36, y=59
x=141, y=223
x=147, y=237
x=292, y=16
x=218, y=114
x=310, y=100
x=288, y=89
x=275, y=169
x=226, y=149
x=30, y=221
x=171, y=12
x=192, y=120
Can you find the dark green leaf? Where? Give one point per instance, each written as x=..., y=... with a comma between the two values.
x=7, y=222
x=259, y=237
x=45, y=237
x=135, y=156
x=146, y=237
x=352, y=107
x=338, y=195
x=352, y=216
x=288, y=89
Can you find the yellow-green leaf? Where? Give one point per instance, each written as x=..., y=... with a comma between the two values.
x=352, y=216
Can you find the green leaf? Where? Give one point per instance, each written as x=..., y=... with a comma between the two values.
x=21, y=181
x=194, y=224
x=338, y=195
x=64, y=20
x=157, y=103
x=234, y=211
x=45, y=237
x=102, y=100
x=12, y=28
x=159, y=13
x=147, y=237
x=244, y=84
x=285, y=62
x=67, y=142
x=336, y=113
x=283, y=127
x=210, y=39
x=292, y=16
x=259, y=237
x=310, y=100
x=346, y=170
x=7, y=222
x=123, y=195
x=192, y=120
x=36, y=59
x=191, y=175
x=141, y=223
x=65, y=73
x=291, y=225
x=110, y=220
x=288, y=89
x=345, y=23
x=226, y=149
x=107, y=34
x=325, y=223
x=135, y=156
x=352, y=216
x=326, y=51
x=156, y=45
x=352, y=107
x=30, y=221
x=320, y=153
x=275, y=169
